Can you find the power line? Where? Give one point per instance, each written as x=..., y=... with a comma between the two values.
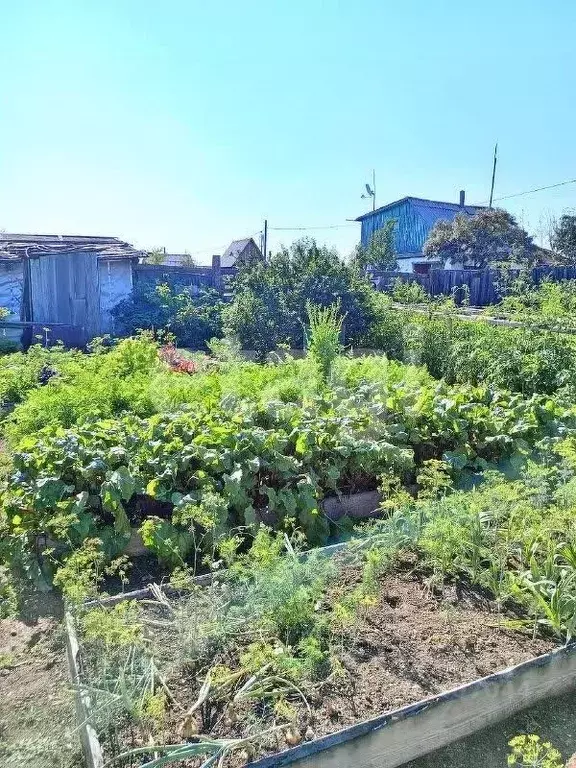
x=305, y=229
x=537, y=189
x=216, y=248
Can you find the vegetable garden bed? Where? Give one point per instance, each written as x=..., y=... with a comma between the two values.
x=344, y=660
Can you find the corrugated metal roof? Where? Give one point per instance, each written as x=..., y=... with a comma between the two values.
x=432, y=210
x=16, y=246
x=429, y=208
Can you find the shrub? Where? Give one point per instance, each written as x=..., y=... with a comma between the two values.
x=269, y=306
x=192, y=319
x=408, y=292
x=380, y=252
x=8, y=346
x=526, y=360
x=386, y=332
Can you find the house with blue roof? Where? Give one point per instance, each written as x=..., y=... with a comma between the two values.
x=414, y=217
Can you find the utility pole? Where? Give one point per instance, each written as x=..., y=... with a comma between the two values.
x=265, y=239
x=493, y=174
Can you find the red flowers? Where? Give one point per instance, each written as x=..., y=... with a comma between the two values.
x=177, y=363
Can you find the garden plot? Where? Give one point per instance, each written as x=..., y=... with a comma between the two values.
x=305, y=654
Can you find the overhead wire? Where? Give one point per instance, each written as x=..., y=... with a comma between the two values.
x=216, y=248
x=536, y=189
x=305, y=229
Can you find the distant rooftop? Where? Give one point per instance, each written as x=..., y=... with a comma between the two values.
x=178, y=260
x=236, y=249
x=16, y=246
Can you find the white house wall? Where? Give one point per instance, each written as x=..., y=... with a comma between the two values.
x=11, y=287
x=406, y=263
x=115, y=278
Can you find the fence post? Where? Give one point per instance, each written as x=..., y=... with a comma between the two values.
x=216, y=273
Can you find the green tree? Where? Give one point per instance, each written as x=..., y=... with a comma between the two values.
x=187, y=260
x=155, y=256
x=491, y=238
x=270, y=298
x=563, y=240
x=380, y=252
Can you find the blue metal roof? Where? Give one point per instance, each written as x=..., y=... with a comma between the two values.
x=431, y=210
x=427, y=205
x=414, y=217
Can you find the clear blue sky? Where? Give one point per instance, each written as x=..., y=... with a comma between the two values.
x=185, y=123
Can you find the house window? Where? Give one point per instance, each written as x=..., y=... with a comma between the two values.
x=422, y=268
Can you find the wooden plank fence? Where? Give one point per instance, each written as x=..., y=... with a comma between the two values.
x=197, y=278
x=482, y=284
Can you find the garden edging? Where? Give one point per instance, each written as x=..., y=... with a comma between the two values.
x=396, y=737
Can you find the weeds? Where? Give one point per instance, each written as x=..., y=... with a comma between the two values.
x=530, y=750
x=259, y=640
x=323, y=340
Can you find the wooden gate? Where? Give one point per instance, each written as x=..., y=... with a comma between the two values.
x=65, y=289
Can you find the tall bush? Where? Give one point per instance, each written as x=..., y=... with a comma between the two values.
x=269, y=306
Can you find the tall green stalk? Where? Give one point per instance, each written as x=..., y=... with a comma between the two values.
x=323, y=337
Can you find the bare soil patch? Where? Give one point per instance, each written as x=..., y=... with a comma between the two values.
x=413, y=645
x=37, y=719
x=410, y=645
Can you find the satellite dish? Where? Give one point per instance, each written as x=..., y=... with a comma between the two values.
x=370, y=193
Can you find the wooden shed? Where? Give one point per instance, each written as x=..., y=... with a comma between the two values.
x=66, y=282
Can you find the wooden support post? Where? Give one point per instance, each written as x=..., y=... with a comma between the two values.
x=217, y=273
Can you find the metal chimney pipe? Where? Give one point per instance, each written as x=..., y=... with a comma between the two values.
x=462, y=198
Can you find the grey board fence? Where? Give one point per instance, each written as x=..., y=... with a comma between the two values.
x=215, y=277
x=482, y=283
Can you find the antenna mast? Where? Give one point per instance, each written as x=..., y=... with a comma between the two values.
x=371, y=190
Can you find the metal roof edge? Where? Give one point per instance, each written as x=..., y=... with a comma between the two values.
x=411, y=198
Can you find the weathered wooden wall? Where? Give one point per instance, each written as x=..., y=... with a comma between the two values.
x=115, y=283
x=410, y=229
x=201, y=277
x=553, y=273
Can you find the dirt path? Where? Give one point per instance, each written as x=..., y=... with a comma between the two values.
x=37, y=725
